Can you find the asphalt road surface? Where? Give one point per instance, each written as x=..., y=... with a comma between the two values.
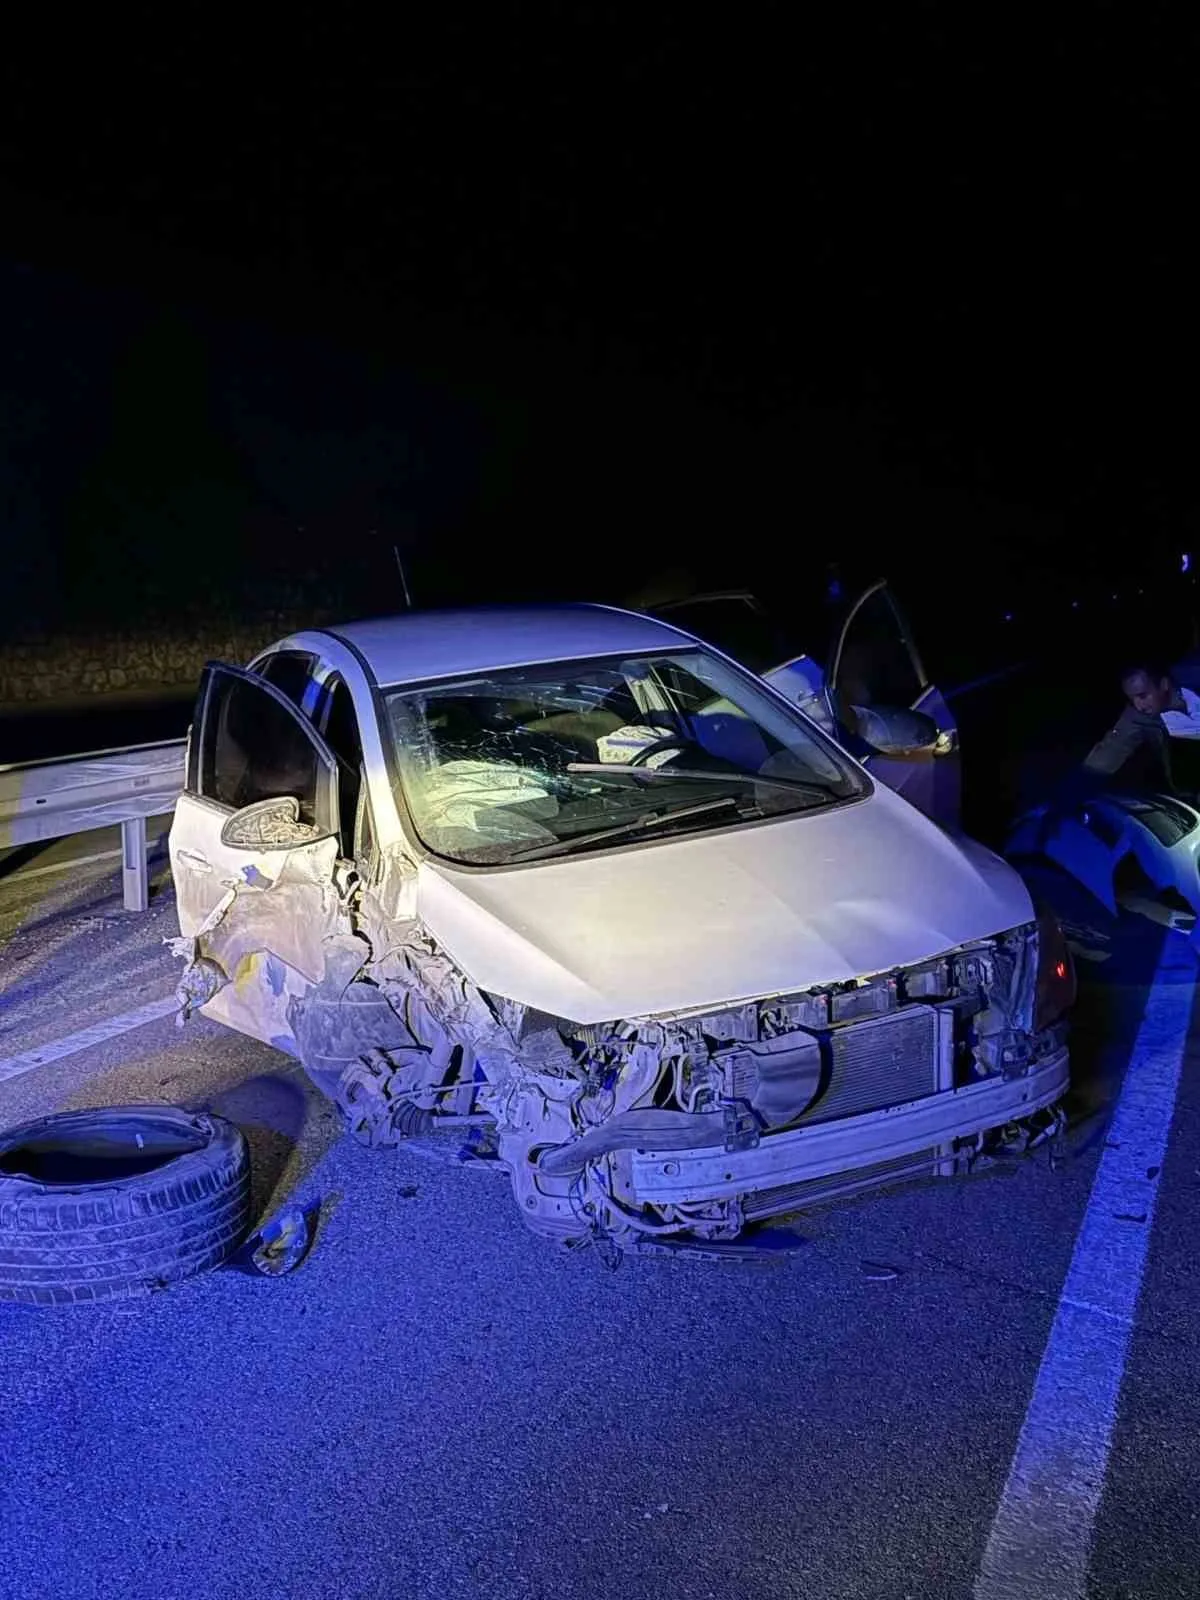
x=950, y=1389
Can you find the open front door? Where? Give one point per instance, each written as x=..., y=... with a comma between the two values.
x=876, y=669
x=253, y=848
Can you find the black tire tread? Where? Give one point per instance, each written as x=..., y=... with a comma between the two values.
x=73, y=1246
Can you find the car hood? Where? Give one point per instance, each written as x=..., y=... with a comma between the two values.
x=709, y=919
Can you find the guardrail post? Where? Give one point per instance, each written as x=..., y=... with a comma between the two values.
x=135, y=871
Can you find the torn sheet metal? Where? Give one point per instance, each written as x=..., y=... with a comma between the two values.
x=338, y=1019
x=202, y=977
x=1005, y=974
x=294, y=918
x=202, y=980
x=267, y=938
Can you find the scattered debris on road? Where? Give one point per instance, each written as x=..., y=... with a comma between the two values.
x=879, y=1272
x=284, y=1240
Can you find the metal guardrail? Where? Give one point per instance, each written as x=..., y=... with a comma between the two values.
x=53, y=798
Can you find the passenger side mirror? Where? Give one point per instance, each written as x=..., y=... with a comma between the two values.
x=269, y=825
x=891, y=731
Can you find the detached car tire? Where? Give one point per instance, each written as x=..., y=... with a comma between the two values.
x=119, y=1201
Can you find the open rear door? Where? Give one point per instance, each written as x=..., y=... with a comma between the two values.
x=876, y=666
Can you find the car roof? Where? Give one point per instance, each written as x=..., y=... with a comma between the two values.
x=419, y=645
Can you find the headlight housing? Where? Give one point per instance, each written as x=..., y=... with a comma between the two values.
x=1055, y=972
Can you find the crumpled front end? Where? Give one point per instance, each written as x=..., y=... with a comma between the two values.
x=690, y=1125
x=696, y=1125
x=334, y=972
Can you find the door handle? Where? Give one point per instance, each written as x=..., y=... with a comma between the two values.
x=193, y=858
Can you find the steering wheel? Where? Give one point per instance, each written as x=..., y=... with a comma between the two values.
x=671, y=741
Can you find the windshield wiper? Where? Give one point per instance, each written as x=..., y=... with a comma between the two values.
x=823, y=791
x=642, y=824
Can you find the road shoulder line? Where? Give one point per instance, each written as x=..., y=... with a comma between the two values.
x=1040, y=1541
x=99, y=1033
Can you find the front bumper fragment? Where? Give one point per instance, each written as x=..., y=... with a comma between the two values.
x=676, y=1177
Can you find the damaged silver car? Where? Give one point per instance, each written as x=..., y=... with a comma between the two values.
x=574, y=879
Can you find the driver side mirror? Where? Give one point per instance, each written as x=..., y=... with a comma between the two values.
x=891, y=731
x=269, y=825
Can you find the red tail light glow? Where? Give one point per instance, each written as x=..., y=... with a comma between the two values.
x=1056, y=974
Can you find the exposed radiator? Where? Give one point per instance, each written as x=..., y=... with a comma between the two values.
x=796, y=1196
x=879, y=1063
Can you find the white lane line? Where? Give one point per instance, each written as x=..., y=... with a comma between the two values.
x=86, y=1037
x=60, y=866
x=1042, y=1534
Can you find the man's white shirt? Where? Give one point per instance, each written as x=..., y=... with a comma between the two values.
x=1184, y=724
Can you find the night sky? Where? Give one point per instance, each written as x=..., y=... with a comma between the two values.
x=554, y=297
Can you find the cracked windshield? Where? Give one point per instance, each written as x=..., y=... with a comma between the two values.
x=553, y=759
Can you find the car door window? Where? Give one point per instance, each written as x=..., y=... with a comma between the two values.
x=253, y=745
x=291, y=672
x=877, y=664
x=340, y=727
